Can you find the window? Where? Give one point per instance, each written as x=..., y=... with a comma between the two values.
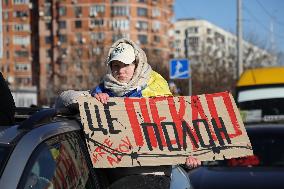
x=6, y=15
x=78, y=11
x=95, y=9
x=120, y=11
x=209, y=31
x=156, y=12
x=120, y=24
x=142, y=1
x=96, y=23
x=21, y=27
x=48, y=39
x=192, y=30
x=62, y=38
x=23, y=81
x=156, y=25
x=21, y=40
x=48, y=25
x=78, y=24
x=142, y=11
x=62, y=24
x=177, y=31
x=48, y=53
x=97, y=36
x=62, y=11
x=22, y=67
x=79, y=37
x=6, y=2
x=58, y=163
x=19, y=14
x=20, y=2
x=47, y=11
x=143, y=39
x=7, y=54
x=119, y=1
x=142, y=25
x=157, y=38
x=21, y=53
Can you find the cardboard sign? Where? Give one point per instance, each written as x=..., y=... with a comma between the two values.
x=129, y=132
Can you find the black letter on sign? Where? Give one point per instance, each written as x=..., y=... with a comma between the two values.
x=168, y=140
x=89, y=119
x=186, y=131
x=110, y=119
x=157, y=134
x=218, y=131
x=196, y=127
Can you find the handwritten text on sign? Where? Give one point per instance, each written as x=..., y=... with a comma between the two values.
x=129, y=132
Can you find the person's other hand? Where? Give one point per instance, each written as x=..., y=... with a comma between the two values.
x=102, y=97
x=192, y=162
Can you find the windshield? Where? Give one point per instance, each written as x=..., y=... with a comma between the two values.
x=262, y=104
x=4, y=154
x=267, y=110
x=267, y=153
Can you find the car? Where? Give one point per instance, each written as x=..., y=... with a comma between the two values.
x=47, y=150
x=265, y=169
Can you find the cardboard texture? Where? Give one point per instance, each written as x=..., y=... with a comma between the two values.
x=129, y=132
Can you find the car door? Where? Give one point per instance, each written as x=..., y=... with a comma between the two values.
x=59, y=162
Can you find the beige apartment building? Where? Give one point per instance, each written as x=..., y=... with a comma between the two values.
x=199, y=40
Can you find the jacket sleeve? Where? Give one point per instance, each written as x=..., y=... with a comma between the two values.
x=156, y=86
x=67, y=100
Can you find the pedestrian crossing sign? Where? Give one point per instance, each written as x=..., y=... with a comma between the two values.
x=179, y=69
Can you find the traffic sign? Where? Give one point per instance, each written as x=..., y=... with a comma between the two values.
x=179, y=69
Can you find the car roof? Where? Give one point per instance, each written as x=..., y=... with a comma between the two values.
x=11, y=134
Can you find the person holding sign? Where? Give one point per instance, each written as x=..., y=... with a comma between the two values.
x=129, y=75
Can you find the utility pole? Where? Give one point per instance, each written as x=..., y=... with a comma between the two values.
x=239, y=39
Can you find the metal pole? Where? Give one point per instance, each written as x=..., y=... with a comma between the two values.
x=239, y=45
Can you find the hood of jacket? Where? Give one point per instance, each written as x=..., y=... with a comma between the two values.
x=140, y=77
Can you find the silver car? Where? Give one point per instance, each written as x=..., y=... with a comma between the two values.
x=48, y=151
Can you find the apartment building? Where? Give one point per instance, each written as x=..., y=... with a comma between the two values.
x=16, y=50
x=199, y=39
x=75, y=35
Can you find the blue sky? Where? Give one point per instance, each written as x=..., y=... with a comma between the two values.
x=257, y=17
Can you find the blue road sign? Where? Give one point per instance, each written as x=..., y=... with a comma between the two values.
x=179, y=69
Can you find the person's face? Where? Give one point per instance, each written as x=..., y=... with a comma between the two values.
x=122, y=72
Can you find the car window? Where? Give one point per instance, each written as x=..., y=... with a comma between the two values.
x=269, y=110
x=57, y=163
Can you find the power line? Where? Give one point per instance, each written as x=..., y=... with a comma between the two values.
x=269, y=14
x=260, y=23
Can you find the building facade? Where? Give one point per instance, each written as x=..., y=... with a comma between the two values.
x=200, y=40
x=75, y=35
x=15, y=62
x=54, y=45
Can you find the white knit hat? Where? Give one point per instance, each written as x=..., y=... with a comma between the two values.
x=124, y=53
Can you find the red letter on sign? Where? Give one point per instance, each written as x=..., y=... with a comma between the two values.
x=177, y=116
x=230, y=110
x=197, y=109
x=129, y=105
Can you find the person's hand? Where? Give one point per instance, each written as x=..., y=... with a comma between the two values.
x=192, y=162
x=102, y=97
